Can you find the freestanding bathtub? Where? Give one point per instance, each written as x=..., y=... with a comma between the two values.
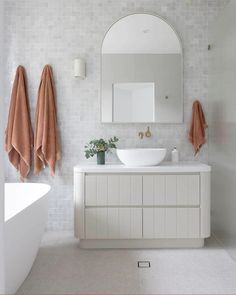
x=26, y=208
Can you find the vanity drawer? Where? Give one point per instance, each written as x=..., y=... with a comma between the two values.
x=113, y=190
x=171, y=223
x=113, y=223
x=164, y=190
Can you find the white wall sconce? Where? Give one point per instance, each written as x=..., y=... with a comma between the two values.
x=79, y=68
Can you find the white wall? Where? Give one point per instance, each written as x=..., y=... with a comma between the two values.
x=57, y=31
x=222, y=127
x=1, y=156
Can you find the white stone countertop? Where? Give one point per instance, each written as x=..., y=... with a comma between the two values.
x=164, y=167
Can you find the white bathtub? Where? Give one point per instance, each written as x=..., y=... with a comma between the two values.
x=26, y=208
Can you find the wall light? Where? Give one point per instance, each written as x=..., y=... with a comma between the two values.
x=79, y=68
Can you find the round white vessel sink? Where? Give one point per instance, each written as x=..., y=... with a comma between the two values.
x=141, y=157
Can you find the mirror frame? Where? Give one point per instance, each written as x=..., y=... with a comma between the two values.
x=182, y=49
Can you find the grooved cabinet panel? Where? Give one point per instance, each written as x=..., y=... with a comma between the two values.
x=101, y=190
x=154, y=223
x=91, y=190
x=136, y=223
x=102, y=226
x=154, y=189
x=113, y=190
x=125, y=223
x=136, y=194
x=188, y=222
x=125, y=190
x=182, y=222
x=91, y=223
x=113, y=223
x=193, y=222
x=130, y=190
x=188, y=189
x=171, y=190
x=171, y=223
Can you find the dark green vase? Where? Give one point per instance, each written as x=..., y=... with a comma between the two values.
x=101, y=158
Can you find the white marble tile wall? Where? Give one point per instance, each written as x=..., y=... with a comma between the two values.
x=55, y=32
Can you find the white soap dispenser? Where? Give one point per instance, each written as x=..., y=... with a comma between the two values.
x=175, y=155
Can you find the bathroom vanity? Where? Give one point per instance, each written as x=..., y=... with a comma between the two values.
x=117, y=206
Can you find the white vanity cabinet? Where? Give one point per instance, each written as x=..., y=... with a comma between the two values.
x=142, y=207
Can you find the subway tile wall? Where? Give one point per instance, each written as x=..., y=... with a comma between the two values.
x=55, y=32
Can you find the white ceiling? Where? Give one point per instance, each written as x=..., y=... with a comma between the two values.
x=141, y=33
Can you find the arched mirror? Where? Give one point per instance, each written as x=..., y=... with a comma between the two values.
x=142, y=72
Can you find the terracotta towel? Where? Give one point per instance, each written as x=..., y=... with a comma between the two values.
x=198, y=126
x=19, y=135
x=46, y=142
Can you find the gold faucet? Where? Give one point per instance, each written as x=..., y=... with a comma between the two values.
x=147, y=133
x=141, y=135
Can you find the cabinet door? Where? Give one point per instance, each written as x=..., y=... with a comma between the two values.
x=96, y=193
x=188, y=222
x=188, y=190
x=171, y=223
x=113, y=223
x=154, y=190
x=113, y=190
x=171, y=190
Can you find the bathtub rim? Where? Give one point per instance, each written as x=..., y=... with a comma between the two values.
x=10, y=213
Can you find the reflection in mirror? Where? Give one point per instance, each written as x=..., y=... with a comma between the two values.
x=133, y=102
x=142, y=72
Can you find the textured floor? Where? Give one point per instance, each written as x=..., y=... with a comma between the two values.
x=62, y=268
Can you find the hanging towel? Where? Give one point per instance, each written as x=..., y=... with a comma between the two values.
x=198, y=126
x=19, y=134
x=46, y=142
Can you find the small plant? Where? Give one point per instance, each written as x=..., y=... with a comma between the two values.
x=99, y=147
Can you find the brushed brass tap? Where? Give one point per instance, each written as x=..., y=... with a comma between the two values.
x=148, y=132
x=141, y=135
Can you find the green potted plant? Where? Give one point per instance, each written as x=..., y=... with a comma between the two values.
x=99, y=147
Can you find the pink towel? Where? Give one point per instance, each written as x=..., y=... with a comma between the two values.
x=198, y=126
x=46, y=141
x=19, y=134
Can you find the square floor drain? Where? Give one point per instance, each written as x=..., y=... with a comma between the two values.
x=144, y=264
